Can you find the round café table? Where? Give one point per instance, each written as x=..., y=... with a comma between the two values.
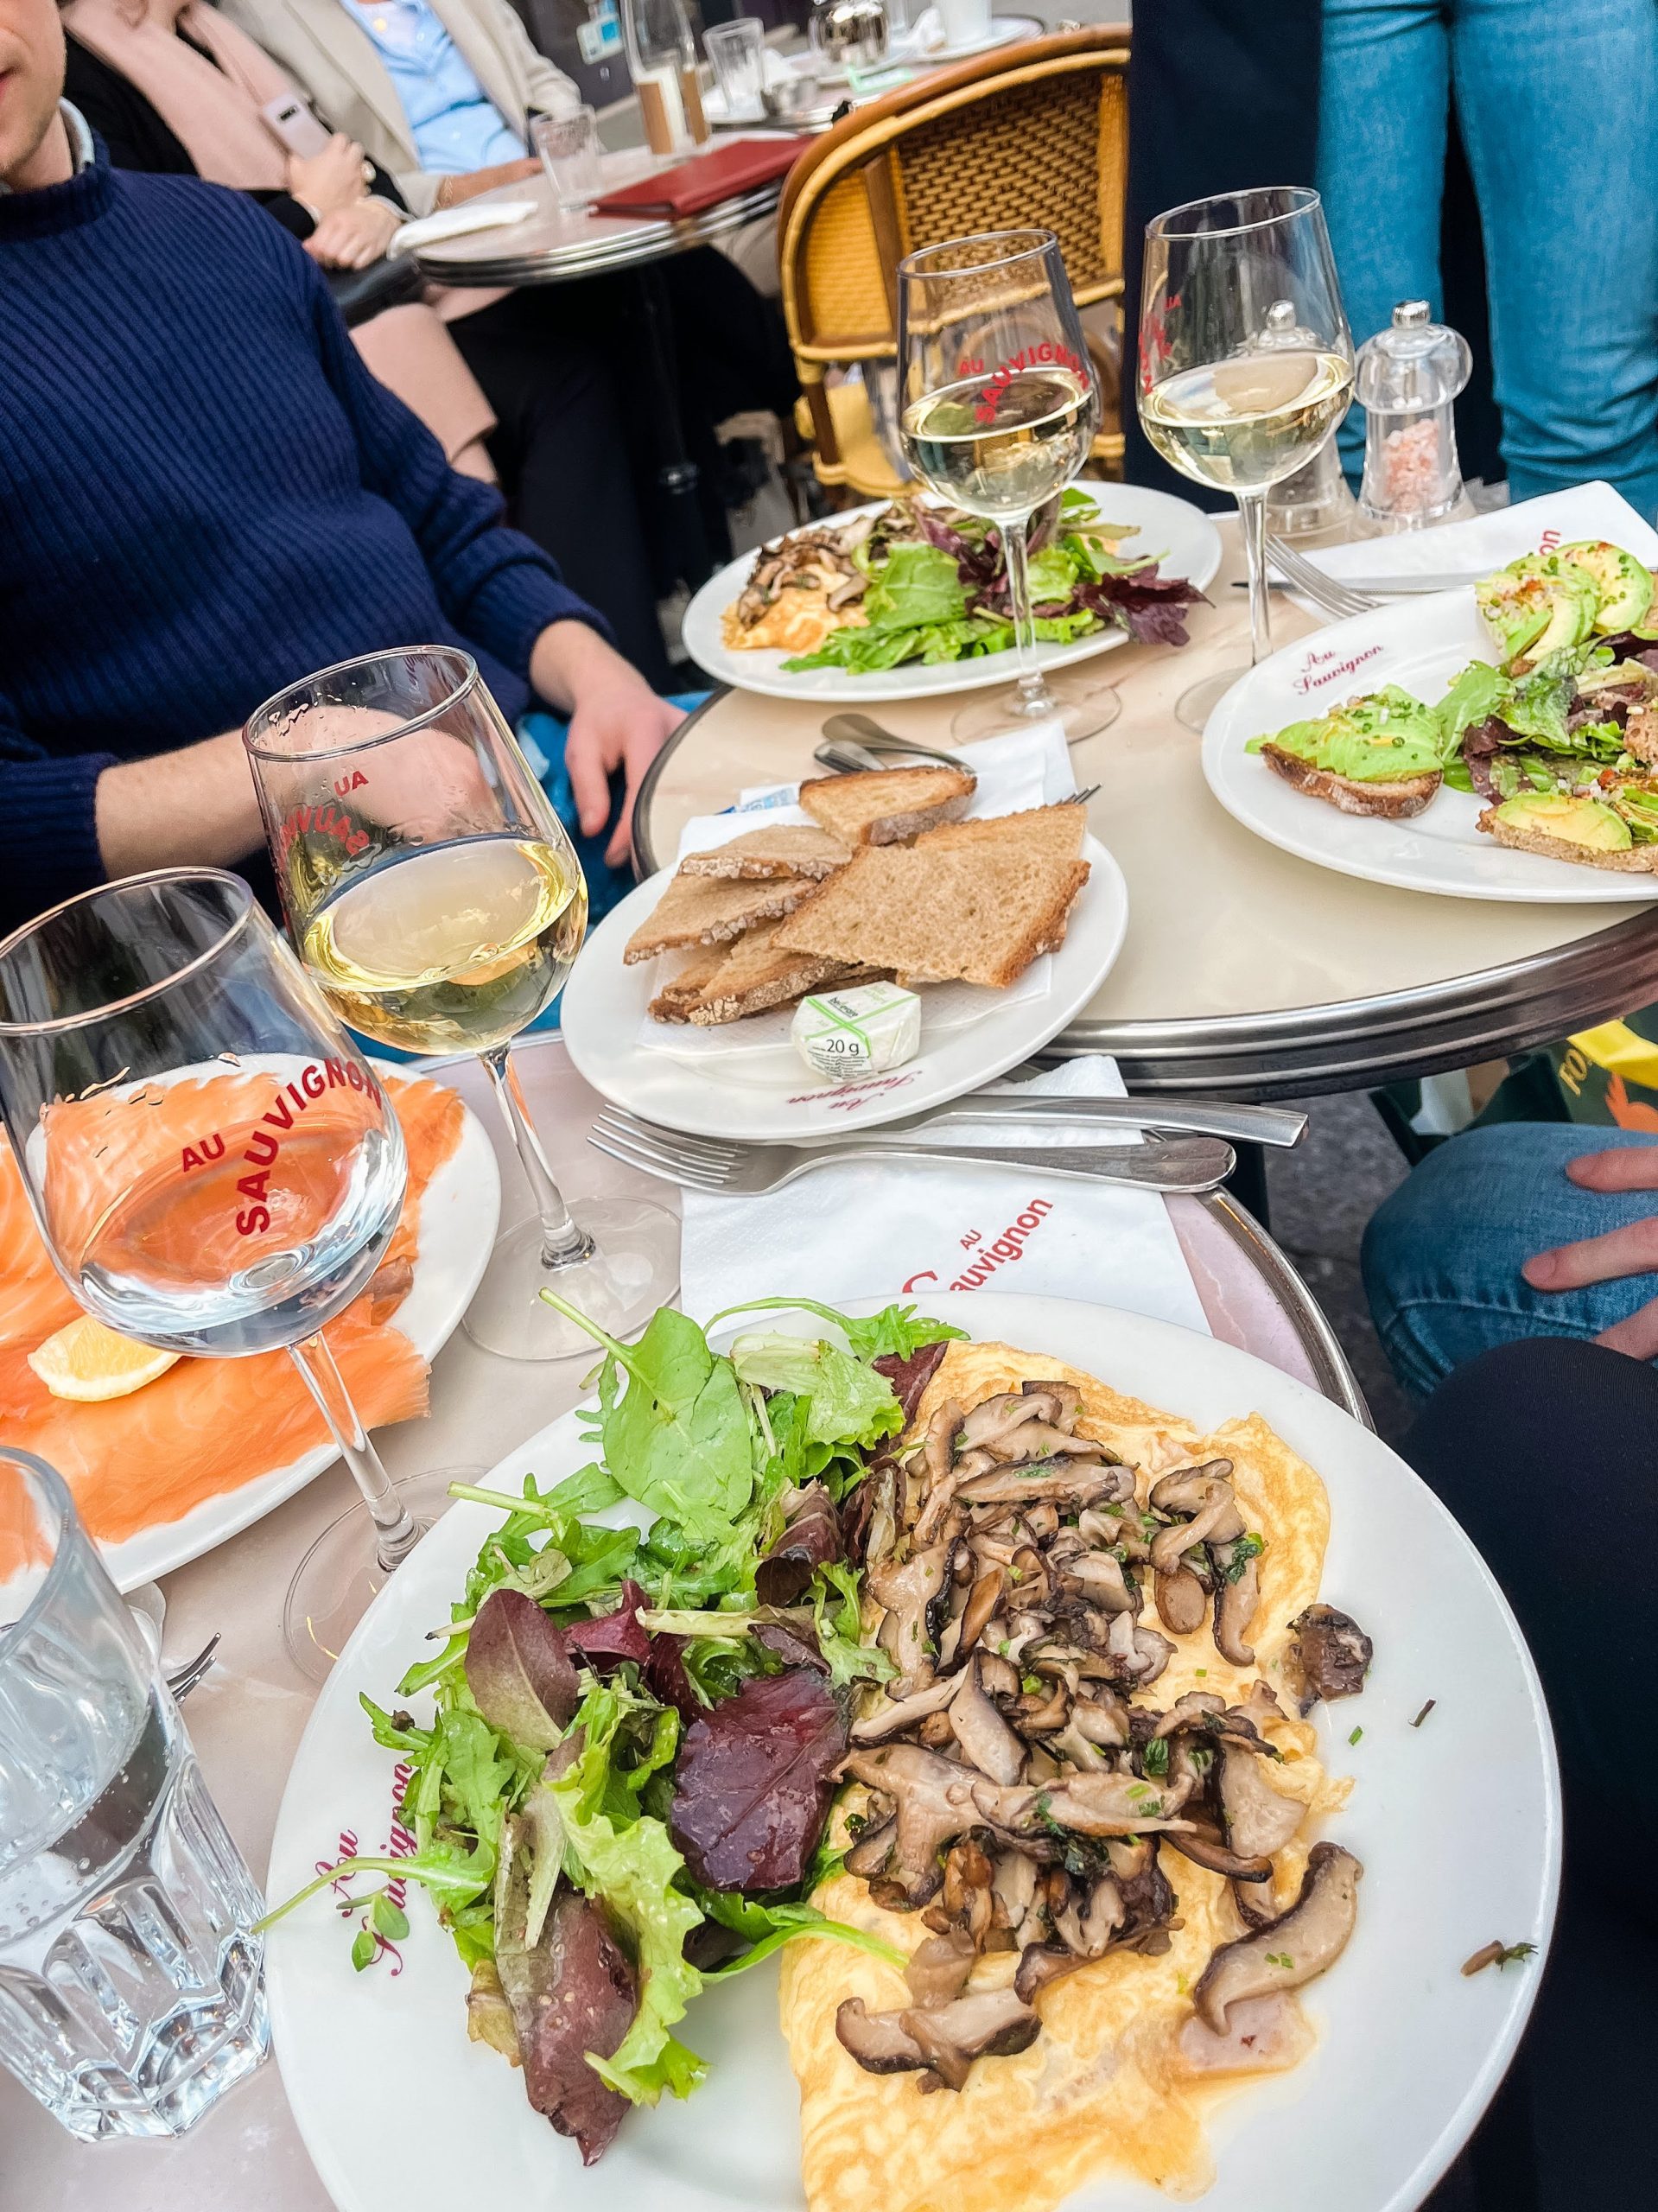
x=1246, y=973
x=553, y=247
x=246, y=1717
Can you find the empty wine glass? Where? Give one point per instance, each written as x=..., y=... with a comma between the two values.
x=1246, y=363
x=1000, y=409
x=436, y=898
x=212, y=1164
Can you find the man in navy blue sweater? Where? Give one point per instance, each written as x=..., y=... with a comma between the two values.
x=204, y=495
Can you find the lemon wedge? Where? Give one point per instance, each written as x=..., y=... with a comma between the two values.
x=88, y=1362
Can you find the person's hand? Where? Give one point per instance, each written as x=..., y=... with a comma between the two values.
x=351, y=238
x=616, y=721
x=1631, y=1250
x=454, y=189
x=335, y=178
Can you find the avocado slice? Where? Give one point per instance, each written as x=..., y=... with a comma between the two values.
x=1624, y=584
x=1539, y=604
x=1514, y=610
x=1369, y=741
x=1585, y=821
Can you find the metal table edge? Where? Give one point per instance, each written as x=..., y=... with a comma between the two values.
x=1331, y=1370
x=638, y=250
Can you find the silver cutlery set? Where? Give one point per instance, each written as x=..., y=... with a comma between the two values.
x=1185, y=1150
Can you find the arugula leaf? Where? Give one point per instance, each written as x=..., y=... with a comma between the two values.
x=1477, y=693
x=917, y=584
x=678, y=1437
x=768, y=1927
x=837, y=1617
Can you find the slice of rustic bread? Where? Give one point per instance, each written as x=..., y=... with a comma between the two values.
x=708, y=910
x=884, y=806
x=980, y=914
x=787, y=848
x=1056, y=831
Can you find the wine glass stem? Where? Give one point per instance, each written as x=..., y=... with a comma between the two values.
x=395, y=1533
x=563, y=1244
x=1034, y=696
x=1252, y=512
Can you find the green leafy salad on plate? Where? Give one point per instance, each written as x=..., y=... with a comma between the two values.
x=1559, y=736
x=620, y=1774
x=920, y=582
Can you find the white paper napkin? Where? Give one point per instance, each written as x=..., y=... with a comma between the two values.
x=459, y=222
x=1489, y=541
x=909, y=1229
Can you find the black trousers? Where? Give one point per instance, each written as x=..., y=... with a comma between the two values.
x=1546, y=1451
x=578, y=445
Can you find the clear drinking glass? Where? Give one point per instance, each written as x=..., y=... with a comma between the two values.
x=131, y=1995
x=1221, y=398
x=736, y=53
x=1000, y=409
x=569, y=146
x=436, y=898
x=211, y=1163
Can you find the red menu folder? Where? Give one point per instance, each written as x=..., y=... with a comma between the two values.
x=706, y=178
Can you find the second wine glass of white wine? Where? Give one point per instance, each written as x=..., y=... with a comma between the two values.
x=434, y=897
x=1246, y=363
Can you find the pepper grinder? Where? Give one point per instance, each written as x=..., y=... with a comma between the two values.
x=1408, y=379
x=1315, y=503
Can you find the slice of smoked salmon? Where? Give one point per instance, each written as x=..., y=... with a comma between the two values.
x=208, y=1426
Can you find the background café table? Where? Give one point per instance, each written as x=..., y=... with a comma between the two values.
x=247, y=1716
x=557, y=246
x=1246, y=973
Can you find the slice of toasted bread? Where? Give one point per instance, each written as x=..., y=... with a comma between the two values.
x=751, y=976
x=682, y=990
x=1641, y=732
x=787, y=849
x=706, y=910
x=1638, y=859
x=1056, y=831
x=979, y=915
x=1395, y=800
x=885, y=806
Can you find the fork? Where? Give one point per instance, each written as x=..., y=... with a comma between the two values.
x=1178, y=1166
x=1335, y=599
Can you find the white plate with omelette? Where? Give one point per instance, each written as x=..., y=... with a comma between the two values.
x=1184, y=540
x=399, y=2109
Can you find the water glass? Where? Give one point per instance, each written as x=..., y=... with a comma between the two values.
x=736, y=53
x=131, y=1990
x=569, y=146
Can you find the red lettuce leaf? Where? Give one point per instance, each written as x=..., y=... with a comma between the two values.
x=909, y=1378
x=520, y=1672
x=795, y=1647
x=614, y=1636
x=1153, y=607
x=753, y=1781
x=811, y=1539
x=667, y=1681
x=574, y=1993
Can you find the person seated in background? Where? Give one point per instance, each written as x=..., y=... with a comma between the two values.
x=173, y=87
x=1543, y=1451
x=207, y=497
x=1516, y=1230
x=439, y=93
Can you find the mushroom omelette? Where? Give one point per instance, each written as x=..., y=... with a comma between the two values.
x=1088, y=1806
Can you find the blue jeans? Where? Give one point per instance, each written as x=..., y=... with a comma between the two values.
x=1557, y=101
x=1442, y=1255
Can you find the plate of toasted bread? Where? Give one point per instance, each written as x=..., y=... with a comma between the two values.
x=1497, y=741
x=681, y=1006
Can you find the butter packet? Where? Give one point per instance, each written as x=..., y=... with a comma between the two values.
x=846, y=1035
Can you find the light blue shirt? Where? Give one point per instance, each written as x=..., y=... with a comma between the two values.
x=456, y=127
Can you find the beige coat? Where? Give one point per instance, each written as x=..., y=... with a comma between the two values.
x=333, y=61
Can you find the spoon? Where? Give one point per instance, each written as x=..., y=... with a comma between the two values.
x=861, y=732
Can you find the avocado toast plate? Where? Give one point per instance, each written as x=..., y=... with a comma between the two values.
x=1432, y=841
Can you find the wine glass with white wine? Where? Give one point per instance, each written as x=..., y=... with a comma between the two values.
x=1000, y=412
x=1246, y=363
x=436, y=898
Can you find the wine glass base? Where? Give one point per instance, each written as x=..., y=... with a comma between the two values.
x=339, y=1577
x=1198, y=701
x=634, y=1268
x=1082, y=706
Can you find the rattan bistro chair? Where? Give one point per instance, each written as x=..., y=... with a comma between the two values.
x=1035, y=135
